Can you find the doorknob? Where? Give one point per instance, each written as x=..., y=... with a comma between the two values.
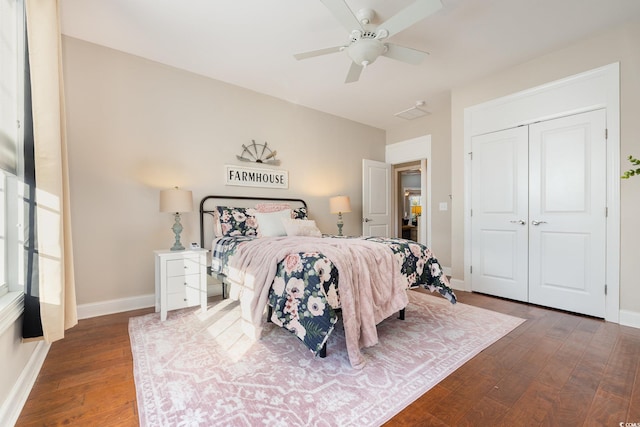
x=518, y=221
x=366, y=220
x=534, y=222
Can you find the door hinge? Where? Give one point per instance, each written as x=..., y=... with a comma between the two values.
x=606, y=212
x=606, y=134
x=471, y=212
x=605, y=289
x=471, y=269
x=471, y=155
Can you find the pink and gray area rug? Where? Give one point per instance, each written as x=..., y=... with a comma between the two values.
x=197, y=369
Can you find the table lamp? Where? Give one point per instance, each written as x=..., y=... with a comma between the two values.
x=176, y=201
x=339, y=205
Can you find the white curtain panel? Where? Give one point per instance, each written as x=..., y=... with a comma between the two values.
x=56, y=279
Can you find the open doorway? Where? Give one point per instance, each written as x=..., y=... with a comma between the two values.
x=409, y=200
x=412, y=154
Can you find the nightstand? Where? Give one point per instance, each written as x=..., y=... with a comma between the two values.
x=181, y=280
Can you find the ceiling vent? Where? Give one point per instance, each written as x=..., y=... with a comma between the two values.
x=414, y=112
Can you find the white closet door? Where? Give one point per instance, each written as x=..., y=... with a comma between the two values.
x=567, y=221
x=376, y=198
x=499, y=219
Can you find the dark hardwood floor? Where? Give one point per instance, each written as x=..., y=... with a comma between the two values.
x=556, y=369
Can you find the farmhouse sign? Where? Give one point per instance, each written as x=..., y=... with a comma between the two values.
x=256, y=177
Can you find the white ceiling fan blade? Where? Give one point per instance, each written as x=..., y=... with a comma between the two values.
x=343, y=14
x=354, y=73
x=405, y=54
x=411, y=14
x=311, y=54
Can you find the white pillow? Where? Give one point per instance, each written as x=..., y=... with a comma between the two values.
x=270, y=224
x=301, y=227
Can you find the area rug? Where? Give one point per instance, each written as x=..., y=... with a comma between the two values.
x=197, y=369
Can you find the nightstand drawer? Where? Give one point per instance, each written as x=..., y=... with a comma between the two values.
x=180, y=267
x=178, y=283
x=187, y=298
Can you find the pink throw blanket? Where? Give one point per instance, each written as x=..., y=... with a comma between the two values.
x=370, y=284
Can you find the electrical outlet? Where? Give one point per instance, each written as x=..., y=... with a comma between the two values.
x=444, y=206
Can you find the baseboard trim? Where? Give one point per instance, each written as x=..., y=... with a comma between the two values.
x=457, y=284
x=95, y=309
x=13, y=404
x=630, y=318
x=103, y=308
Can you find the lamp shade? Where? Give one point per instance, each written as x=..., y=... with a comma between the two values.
x=416, y=210
x=339, y=204
x=176, y=200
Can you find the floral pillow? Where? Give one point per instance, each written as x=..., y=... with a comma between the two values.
x=237, y=221
x=300, y=213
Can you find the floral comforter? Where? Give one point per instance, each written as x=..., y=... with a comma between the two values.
x=305, y=296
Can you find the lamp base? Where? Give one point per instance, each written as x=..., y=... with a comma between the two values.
x=177, y=229
x=340, y=223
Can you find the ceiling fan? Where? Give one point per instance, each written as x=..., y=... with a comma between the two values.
x=367, y=42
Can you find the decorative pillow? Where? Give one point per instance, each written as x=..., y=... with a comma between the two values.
x=270, y=223
x=237, y=221
x=301, y=227
x=217, y=227
x=300, y=213
x=272, y=207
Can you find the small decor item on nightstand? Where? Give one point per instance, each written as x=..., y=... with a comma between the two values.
x=176, y=201
x=340, y=205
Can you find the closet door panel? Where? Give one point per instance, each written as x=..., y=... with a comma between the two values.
x=499, y=214
x=567, y=222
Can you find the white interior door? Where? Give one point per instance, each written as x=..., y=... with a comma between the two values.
x=499, y=217
x=376, y=198
x=567, y=213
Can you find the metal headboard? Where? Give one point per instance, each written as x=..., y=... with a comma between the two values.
x=204, y=211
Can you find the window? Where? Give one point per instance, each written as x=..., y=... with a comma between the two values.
x=4, y=287
x=12, y=59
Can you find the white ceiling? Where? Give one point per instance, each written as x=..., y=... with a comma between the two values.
x=250, y=43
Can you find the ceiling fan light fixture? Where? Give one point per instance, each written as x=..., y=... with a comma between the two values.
x=365, y=51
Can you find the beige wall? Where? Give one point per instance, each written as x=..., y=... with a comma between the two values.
x=438, y=125
x=616, y=45
x=136, y=127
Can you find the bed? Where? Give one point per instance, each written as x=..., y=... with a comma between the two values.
x=297, y=275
